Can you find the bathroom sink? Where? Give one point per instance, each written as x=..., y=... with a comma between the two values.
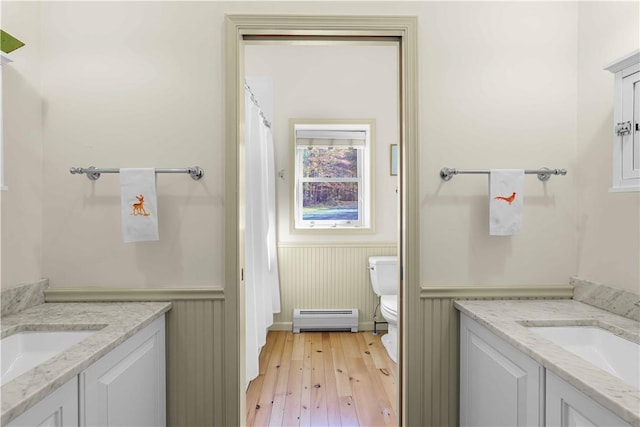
x=618, y=356
x=26, y=350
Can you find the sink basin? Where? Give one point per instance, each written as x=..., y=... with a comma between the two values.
x=618, y=356
x=26, y=350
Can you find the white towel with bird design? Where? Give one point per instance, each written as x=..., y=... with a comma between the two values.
x=139, y=205
x=505, y=201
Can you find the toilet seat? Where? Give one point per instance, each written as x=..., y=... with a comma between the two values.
x=389, y=307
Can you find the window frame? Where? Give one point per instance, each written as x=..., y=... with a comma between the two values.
x=365, y=180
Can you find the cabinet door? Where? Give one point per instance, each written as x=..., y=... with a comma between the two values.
x=630, y=114
x=59, y=409
x=499, y=385
x=127, y=386
x=568, y=407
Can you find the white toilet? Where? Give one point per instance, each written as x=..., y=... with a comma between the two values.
x=383, y=271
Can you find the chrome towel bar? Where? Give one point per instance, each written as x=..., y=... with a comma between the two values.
x=543, y=173
x=93, y=173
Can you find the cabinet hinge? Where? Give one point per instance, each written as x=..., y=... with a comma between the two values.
x=623, y=128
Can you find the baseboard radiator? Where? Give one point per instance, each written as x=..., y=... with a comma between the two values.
x=325, y=320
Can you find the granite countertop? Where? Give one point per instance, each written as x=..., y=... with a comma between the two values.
x=509, y=319
x=113, y=323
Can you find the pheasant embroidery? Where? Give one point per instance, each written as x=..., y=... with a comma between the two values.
x=509, y=199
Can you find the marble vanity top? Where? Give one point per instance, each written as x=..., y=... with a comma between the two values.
x=509, y=320
x=113, y=323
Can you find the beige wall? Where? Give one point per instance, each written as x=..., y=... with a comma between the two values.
x=608, y=223
x=140, y=84
x=133, y=85
x=498, y=90
x=333, y=82
x=22, y=203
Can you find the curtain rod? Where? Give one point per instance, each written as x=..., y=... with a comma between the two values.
x=266, y=122
x=93, y=173
x=543, y=173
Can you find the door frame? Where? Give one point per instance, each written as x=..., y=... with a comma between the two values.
x=403, y=28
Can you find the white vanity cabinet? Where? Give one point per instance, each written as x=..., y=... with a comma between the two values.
x=59, y=409
x=499, y=385
x=126, y=387
x=568, y=407
x=502, y=386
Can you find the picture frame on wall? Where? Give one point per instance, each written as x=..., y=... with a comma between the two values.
x=394, y=160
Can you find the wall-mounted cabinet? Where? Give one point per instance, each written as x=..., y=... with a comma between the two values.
x=626, y=123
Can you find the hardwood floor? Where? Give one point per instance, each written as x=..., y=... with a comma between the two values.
x=323, y=379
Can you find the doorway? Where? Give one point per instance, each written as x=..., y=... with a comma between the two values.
x=317, y=28
x=332, y=108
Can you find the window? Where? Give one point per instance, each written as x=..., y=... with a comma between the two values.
x=626, y=148
x=332, y=185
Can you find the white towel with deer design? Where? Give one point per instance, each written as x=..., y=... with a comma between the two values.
x=139, y=205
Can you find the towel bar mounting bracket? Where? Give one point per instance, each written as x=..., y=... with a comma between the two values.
x=544, y=174
x=93, y=176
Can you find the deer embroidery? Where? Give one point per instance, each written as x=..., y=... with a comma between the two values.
x=138, y=208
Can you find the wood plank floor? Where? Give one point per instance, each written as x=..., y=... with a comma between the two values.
x=323, y=379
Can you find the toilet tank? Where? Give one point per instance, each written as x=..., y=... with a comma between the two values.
x=383, y=271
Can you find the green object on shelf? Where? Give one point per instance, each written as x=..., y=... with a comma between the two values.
x=8, y=43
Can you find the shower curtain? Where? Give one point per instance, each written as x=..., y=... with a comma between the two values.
x=262, y=287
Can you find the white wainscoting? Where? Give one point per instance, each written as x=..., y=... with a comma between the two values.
x=328, y=275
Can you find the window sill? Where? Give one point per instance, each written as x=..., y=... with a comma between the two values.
x=333, y=230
